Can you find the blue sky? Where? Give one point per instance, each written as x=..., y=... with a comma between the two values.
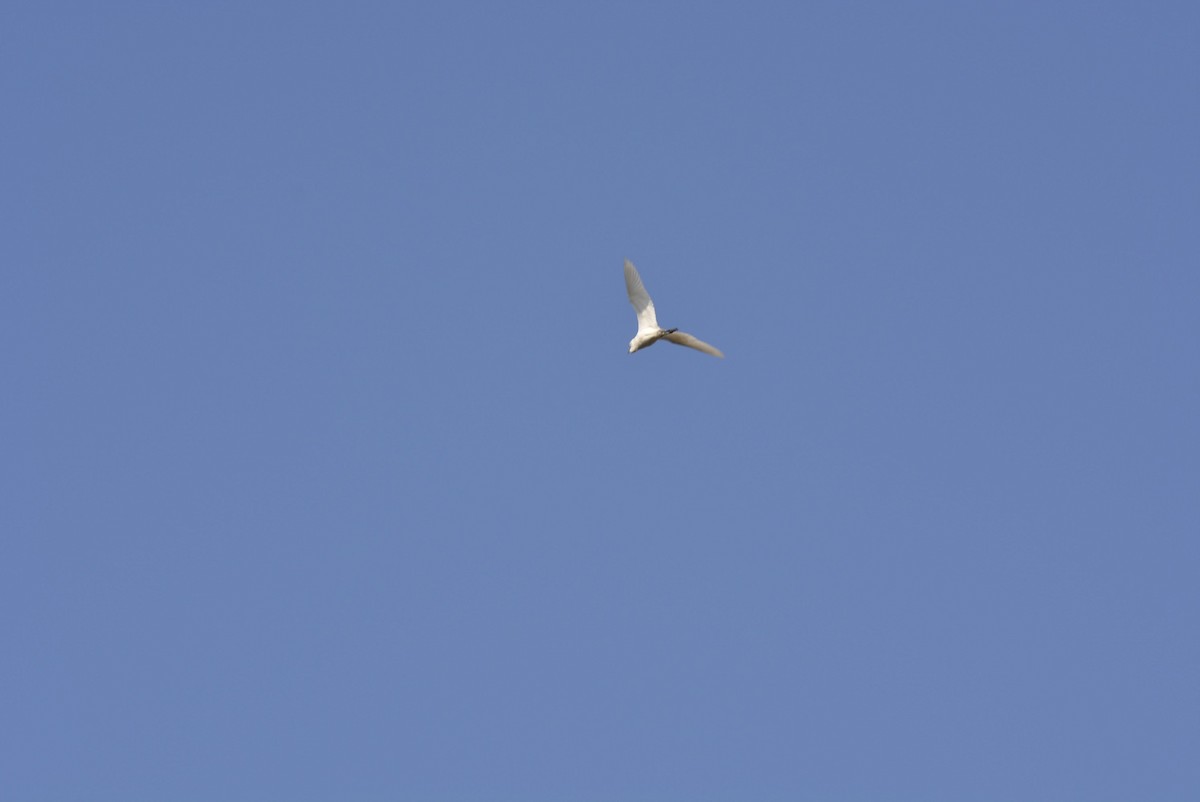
x=327, y=474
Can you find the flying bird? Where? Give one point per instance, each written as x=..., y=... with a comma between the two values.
x=648, y=332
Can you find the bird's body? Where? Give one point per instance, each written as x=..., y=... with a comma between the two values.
x=649, y=332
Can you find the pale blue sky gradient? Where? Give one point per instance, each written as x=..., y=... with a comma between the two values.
x=326, y=474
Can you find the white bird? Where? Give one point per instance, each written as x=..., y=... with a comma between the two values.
x=648, y=332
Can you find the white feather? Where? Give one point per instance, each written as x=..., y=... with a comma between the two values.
x=679, y=338
x=649, y=332
x=640, y=299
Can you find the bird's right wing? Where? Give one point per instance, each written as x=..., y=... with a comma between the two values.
x=647, y=321
x=679, y=338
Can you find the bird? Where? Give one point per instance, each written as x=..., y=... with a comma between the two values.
x=649, y=332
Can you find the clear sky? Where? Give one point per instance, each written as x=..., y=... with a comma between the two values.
x=327, y=475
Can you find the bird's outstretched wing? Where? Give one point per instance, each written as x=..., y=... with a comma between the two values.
x=680, y=338
x=647, y=321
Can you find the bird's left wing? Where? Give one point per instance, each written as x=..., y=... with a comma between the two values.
x=680, y=338
x=642, y=305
